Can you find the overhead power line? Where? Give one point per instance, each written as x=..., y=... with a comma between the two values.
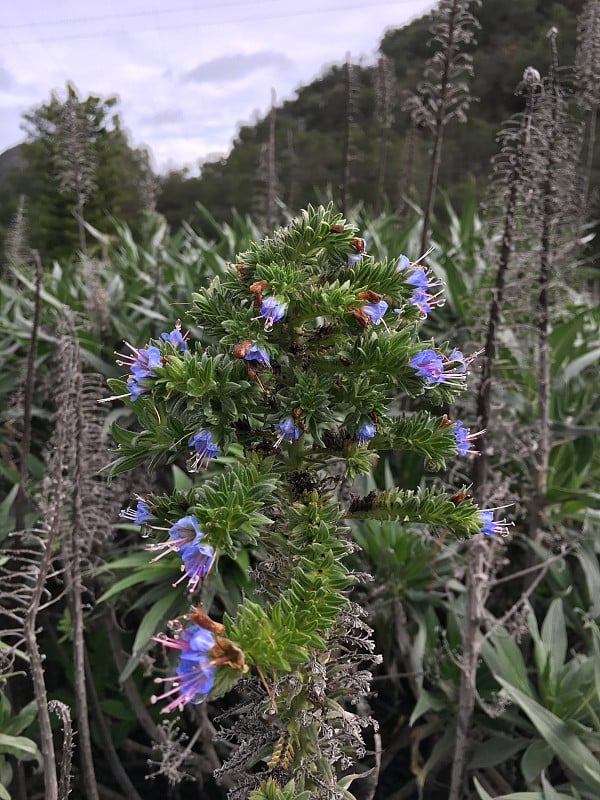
x=189, y=24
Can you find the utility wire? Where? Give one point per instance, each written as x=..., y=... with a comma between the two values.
x=203, y=23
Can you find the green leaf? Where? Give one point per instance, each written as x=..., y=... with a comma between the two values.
x=496, y=750
x=535, y=759
x=153, y=572
x=567, y=747
x=426, y=702
x=22, y=748
x=154, y=619
x=554, y=637
x=504, y=658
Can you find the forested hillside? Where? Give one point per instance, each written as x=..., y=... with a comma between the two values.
x=309, y=130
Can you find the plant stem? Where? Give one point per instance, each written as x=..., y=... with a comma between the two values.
x=21, y=499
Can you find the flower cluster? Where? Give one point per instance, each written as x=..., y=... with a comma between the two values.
x=185, y=539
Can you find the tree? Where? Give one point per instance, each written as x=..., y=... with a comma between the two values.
x=76, y=155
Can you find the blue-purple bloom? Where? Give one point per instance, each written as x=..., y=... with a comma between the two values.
x=272, y=311
x=429, y=365
x=197, y=560
x=195, y=673
x=418, y=278
x=138, y=515
x=175, y=337
x=288, y=431
x=436, y=368
x=204, y=449
x=489, y=527
x=463, y=438
x=364, y=432
x=256, y=353
x=184, y=539
x=403, y=263
x=141, y=364
x=375, y=311
x=420, y=299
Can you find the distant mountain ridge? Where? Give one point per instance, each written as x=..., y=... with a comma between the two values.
x=309, y=129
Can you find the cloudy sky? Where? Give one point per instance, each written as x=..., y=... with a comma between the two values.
x=187, y=72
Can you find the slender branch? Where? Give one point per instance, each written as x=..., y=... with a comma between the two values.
x=110, y=753
x=21, y=499
x=63, y=711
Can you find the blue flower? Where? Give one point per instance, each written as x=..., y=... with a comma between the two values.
x=138, y=515
x=429, y=365
x=375, y=311
x=288, y=431
x=205, y=449
x=420, y=299
x=436, y=368
x=197, y=560
x=489, y=527
x=141, y=364
x=256, y=353
x=402, y=263
x=175, y=337
x=195, y=673
x=418, y=278
x=463, y=438
x=184, y=539
x=272, y=311
x=365, y=432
